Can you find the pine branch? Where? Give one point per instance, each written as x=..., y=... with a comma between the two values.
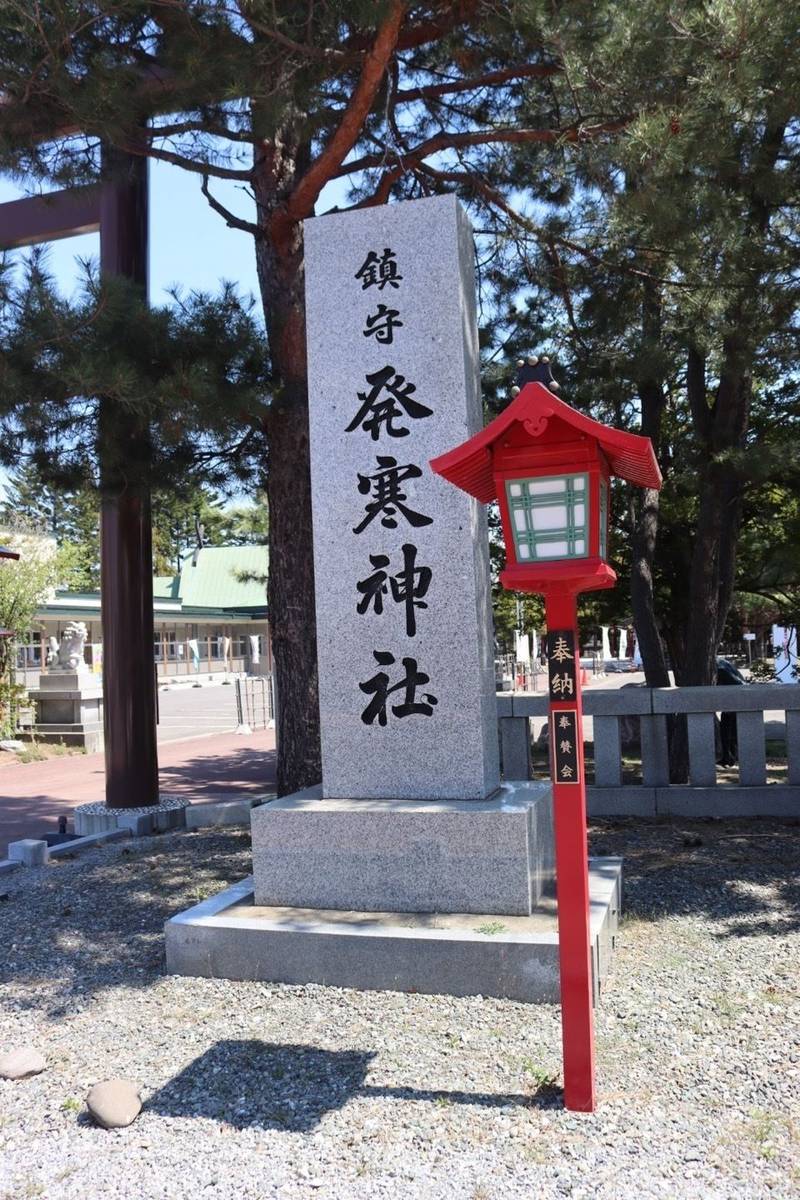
x=301, y=202
x=490, y=79
x=423, y=32
x=495, y=199
x=485, y=137
x=188, y=164
x=232, y=221
x=199, y=125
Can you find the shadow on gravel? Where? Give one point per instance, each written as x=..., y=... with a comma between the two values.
x=76, y=929
x=742, y=875
x=248, y=1083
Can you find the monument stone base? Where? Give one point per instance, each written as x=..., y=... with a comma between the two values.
x=423, y=856
x=69, y=709
x=228, y=936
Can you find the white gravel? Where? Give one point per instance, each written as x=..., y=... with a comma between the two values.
x=256, y=1091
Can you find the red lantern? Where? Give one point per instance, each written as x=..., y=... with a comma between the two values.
x=549, y=467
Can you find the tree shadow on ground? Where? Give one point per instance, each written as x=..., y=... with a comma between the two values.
x=77, y=928
x=249, y=1083
x=740, y=874
x=232, y=773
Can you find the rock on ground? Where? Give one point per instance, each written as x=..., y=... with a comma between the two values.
x=114, y=1103
x=21, y=1062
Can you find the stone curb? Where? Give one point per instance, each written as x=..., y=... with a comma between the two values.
x=34, y=852
x=230, y=812
x=234, y=810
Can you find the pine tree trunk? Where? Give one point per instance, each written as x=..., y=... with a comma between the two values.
x=643, y=541
x=712, y=573
x=645, y=512
x=290, y=591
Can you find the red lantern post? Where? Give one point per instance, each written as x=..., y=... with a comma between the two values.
x=549, y=467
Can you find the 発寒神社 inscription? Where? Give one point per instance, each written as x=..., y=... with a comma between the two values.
x=407, y=692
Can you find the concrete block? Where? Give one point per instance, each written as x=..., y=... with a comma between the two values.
x=30, y=852
x=472, y=856
x=140, y=822
x=772, y=800
x=529, y=706
x=86, y=843
x=628, y=800
x=235, y=811
x=607, y=752
x=752, y=748
x=169, y=818
x=702, y=748
x=655, y=750
x=515, y=743
x=459, y=955
x=793, y=745
x=621, y=702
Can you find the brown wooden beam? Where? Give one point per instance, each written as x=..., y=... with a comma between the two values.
x=49, y=217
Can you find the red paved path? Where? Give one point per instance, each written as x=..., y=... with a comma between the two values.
x=34, y=795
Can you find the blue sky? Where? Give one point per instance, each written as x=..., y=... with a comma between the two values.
x=189, y=244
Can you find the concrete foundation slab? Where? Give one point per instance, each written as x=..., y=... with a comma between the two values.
x=446, y=856
x=229, y=936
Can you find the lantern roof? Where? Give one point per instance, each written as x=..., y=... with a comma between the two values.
x=469, y=466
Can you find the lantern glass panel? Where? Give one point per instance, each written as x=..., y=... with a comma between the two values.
x=549, y=517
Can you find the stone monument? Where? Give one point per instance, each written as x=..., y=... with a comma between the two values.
x=410, y=815
x=371, y=878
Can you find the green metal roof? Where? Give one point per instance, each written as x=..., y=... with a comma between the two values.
x=225, y=577
x=224, y=581
x=166, y=587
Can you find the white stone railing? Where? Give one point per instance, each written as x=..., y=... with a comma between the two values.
x=705, y=795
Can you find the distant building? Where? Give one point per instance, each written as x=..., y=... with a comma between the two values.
x=210, y=619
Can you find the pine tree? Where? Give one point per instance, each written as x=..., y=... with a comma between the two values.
x=637, y=156
x=404, y=100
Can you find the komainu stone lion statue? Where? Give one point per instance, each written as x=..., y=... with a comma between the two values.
x=70, y=652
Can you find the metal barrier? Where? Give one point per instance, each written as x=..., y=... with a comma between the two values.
x=704, y=795
x=255, y=707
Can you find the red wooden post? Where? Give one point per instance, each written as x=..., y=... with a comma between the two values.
x=572, y=862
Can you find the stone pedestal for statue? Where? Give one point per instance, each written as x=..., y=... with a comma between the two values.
x=393, y=872
x=69, y=708
x=69, y=698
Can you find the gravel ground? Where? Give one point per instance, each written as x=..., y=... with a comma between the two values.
x=259, y=1091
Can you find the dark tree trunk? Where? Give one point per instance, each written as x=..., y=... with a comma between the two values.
x=644, y=508
x=643, y=541
x=712, y=573
x=290, y=594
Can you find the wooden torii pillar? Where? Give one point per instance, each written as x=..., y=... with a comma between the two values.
x=117, y=209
